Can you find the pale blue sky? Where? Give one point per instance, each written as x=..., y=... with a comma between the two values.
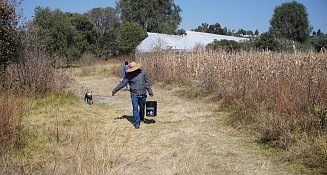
x=233, y=14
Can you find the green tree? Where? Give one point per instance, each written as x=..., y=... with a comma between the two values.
x=129, y=36
x=249, y=32
x=181, y=32
x=229, y=32
x=66, y=35
x=85, y=35
x=203, y=28
x=154, y=16
x=107, y=21
x=290, y=21
x=216, y=29
x=256, y=32
x=55, y=30
x=225, y=31
x=319, y=32
x=240, y=32
x=212, y=28
x=9, y=34
x=319, y=42
x=314, y=33
x=227, y=45
x=266, y=41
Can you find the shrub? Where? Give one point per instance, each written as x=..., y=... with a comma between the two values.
x=181, y=32
x=319, y=42
x=227, y=45
x=36, y=71
x=268, y=42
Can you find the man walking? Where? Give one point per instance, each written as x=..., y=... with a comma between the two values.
x=123, y=73
x=139, y=85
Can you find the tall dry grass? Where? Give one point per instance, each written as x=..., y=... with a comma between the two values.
x=61, y=137
x=280, y=96
x=32, y=73
x=11, y=113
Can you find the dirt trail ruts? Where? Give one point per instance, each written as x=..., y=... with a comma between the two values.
x=185, y=138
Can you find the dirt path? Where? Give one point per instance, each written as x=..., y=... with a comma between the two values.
x=185, y=138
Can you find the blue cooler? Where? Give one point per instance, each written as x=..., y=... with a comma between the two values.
x=151, y=108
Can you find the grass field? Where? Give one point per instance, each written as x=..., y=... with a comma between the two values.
x=63, y=135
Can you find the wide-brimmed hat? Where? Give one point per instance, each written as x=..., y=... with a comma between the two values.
x=133, y=67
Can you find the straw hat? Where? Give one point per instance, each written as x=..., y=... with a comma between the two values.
x=133, y=67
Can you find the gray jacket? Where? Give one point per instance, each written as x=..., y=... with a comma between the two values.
x=138, y=83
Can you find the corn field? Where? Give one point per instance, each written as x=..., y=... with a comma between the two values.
x=281, y=96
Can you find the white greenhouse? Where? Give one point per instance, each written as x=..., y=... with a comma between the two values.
x=190, y=42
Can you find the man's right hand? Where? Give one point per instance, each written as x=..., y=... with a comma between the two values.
x=113, y=94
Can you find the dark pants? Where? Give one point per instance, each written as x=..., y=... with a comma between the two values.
x=138, y=113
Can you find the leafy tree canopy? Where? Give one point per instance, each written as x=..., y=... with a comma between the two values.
x=9, y=33
x=154, y=16
x=290, y=21
x=227, y=45
x=319, y=42
x=129, y=36
x=107, y=21
x=214, y=28
x=66, y=34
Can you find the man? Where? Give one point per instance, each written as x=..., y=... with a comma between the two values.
x=139, y=84
x=123, y=73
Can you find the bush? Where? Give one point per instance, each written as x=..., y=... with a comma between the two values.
x=268, y=42
x=226, y=45
x=181, y=32
x=36, y=71
x=319, y=42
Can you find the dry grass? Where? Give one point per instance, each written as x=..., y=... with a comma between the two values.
x=60, y=138
x=66, y=136
x=33, y=73
x=11, y=112
x=280, y=96
x=87, y=70
x=87, y=59
x=184, y=139
x=100, y=68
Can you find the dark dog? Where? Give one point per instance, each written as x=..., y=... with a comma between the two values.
x=88, y=98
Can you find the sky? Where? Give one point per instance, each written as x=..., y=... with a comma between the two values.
x=233, y=14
